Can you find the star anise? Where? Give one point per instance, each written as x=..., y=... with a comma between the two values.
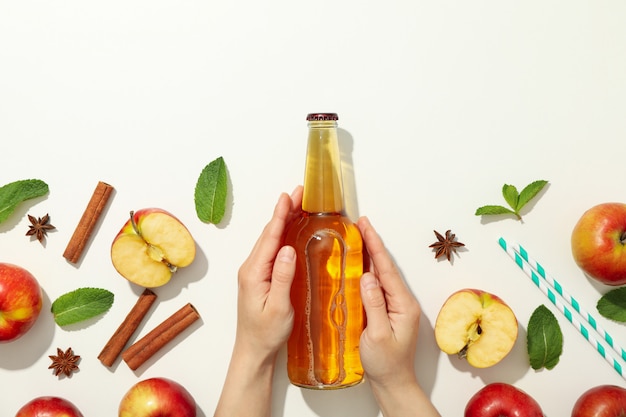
x=64, y=362
x=39, y=227
x=445, y=246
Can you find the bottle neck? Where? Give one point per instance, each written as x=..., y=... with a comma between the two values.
x=323, y=189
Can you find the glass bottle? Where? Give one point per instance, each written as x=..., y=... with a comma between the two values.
x=323, y=349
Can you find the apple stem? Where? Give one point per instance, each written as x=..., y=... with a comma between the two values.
x=463, y=352
x=622, y=238
x=132, y=222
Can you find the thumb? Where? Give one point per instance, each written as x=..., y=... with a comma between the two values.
x=374, y=304
x=283, y=273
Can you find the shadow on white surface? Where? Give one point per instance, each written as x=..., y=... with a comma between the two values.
x=353, y=401
x=426, y=354
x=96, y=228
x=525, y=211
x=21, y=210
x=510, y=370
x=28, y=349
x=180, y=338
x=181, y=279
x=346, y=147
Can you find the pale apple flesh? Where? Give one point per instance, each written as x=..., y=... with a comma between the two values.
x=599, y=243
x=151, y=246
x=477, y=326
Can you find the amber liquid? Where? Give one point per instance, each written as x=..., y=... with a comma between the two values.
x=323, y=349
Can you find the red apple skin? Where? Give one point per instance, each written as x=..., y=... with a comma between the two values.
x=49, y=407
x=499, y=399
x=599, y=243
x=20, y=301
x=137, y=215
x=601, y=401
x=481, y=293
x=157, y=397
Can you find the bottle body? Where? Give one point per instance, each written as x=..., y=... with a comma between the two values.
x=323, y=349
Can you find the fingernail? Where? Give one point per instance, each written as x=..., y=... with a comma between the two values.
x=369, y=281
x=280, y=197
x=286, y=254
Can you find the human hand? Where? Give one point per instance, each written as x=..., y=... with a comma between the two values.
x=264, y=311
x=389, y=340
x=264, y=317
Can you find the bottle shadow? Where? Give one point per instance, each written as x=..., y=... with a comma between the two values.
x=357, y=400
x=346, y=147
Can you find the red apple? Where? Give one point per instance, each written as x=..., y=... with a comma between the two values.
x=601, y=401
x=157, y=397
x=20, y=301
x=151, y=246
x=49, y=407
x=476, y=325
x=499, y=399
x=599, y=243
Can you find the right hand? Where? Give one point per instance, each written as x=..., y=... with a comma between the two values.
x=388, y=342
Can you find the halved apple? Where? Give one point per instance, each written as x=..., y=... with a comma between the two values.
x=476, y=325
x=151, y=246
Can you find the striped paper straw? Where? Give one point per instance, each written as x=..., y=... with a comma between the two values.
x=569, y=298
x=569, y=315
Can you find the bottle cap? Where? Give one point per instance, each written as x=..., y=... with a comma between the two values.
x=322, y=116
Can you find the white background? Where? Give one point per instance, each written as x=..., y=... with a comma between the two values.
x=440, y=104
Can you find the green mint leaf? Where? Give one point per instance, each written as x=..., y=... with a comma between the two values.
x=510, y=195
x=529, y=192
x=210, y=193
x=514, y=199
x=81, y=304
x=612, y=305
x=16, y=192
x=490, y=210
x=544, y=339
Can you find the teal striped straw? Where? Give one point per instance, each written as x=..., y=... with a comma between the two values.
x=570, y=299
x=569, y=315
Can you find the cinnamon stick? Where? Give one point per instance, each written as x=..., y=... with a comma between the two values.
x=124, y=332
x=147, y=346
x=88, y=221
